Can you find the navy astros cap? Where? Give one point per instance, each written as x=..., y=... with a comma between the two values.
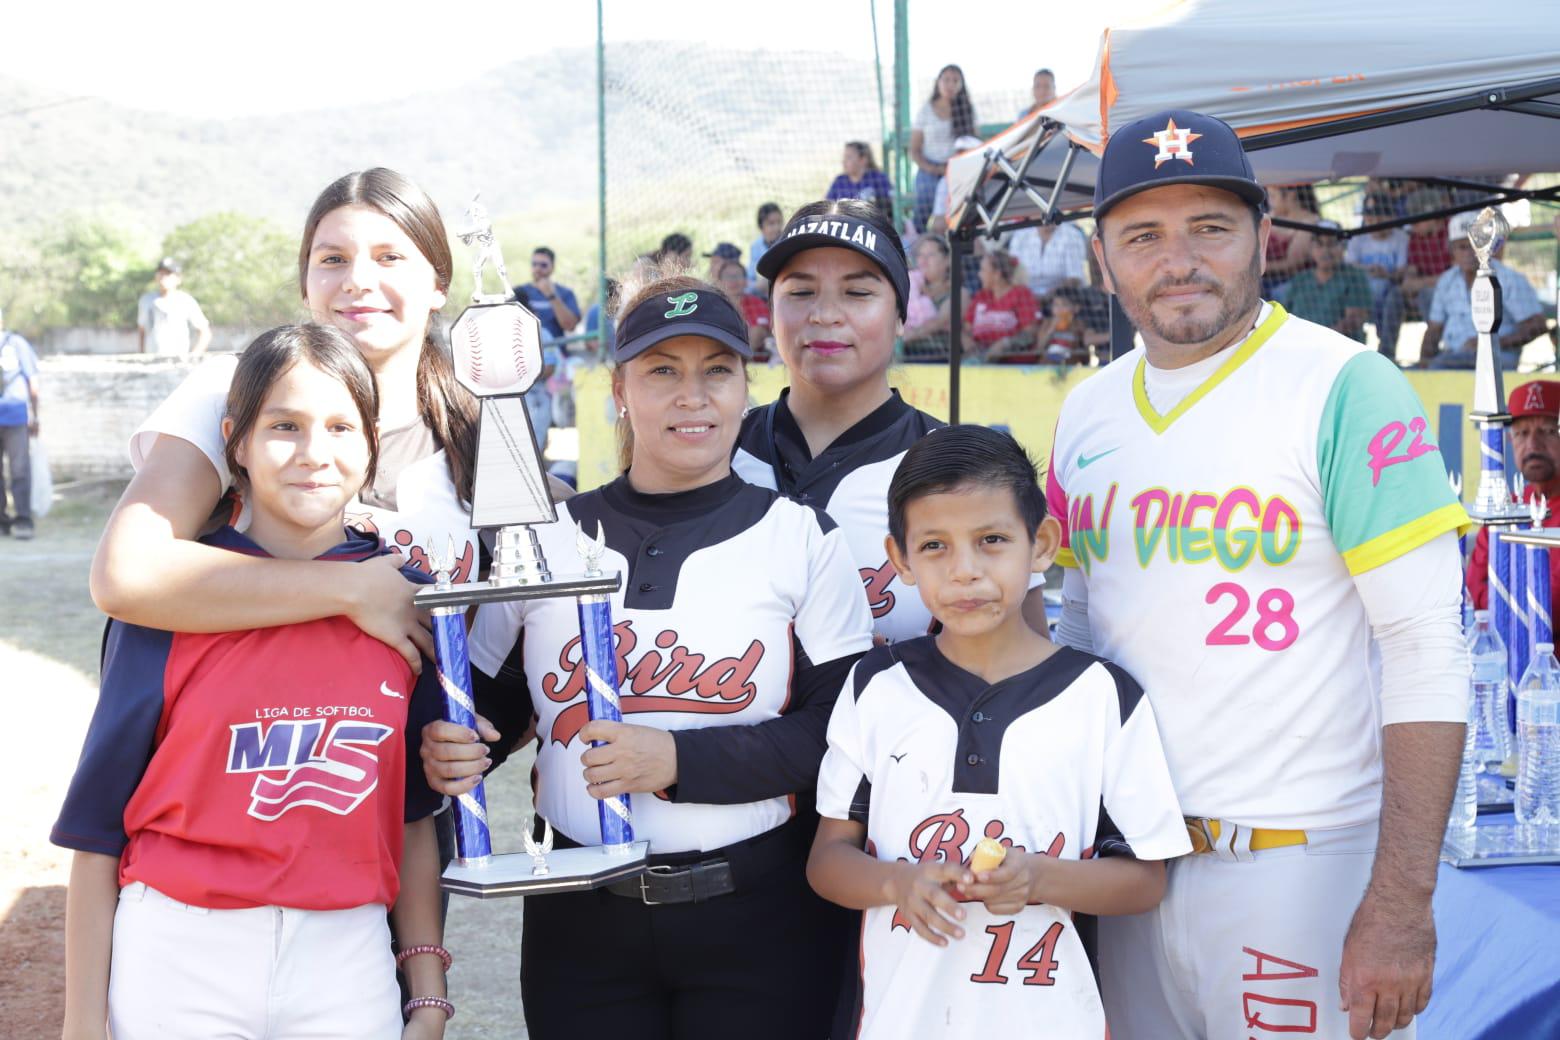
x=1174, y=147
x=691, y=312
x=842, y=231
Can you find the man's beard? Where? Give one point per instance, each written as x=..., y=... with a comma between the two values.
x=1235, y=300
x=1538, y=470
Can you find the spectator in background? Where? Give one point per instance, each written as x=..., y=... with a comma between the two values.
x=170, y=318
x=770, y=223
x=927, y=317
x=945, y=118
x=676, y=252
x=1330, y=292
x=862, y=179
x=1054, y=256
x=1288, y=249
x=942, y=202
x=1044, y=88
x=555, y=306
x=1428, y=256
x=1062, y=337
x=18, y=425
x=1450, y=336
x=1383, y=255
x=1000, y=318
x=731, y=276
x=539, y=399
x=718, y=257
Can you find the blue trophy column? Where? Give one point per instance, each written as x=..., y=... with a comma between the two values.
x=598, y=656
x=473, y=842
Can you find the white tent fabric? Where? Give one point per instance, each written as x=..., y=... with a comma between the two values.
x=1267, y=70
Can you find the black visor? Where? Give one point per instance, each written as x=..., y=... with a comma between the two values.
x=692, y=312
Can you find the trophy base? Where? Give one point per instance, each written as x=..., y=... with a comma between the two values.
x=1543, y=538
x=430, y=596
x=1500, y=517
x=1498, y=845
x=568, y=870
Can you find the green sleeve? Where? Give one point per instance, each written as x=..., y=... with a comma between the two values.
x=1384, y=486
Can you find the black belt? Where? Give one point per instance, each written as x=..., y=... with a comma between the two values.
x=692, y=884
x=693, y=877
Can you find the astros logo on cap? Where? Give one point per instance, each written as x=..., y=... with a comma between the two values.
x=1173, y=143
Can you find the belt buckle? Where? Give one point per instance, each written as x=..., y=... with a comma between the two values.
x=1200, y=833
x=658, y=871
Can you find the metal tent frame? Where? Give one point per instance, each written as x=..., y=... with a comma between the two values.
x=1000, y=183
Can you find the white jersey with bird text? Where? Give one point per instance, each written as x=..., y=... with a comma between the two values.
x=1063, y=759
x=1218, y=542
x=427, y=511
x=712, y=614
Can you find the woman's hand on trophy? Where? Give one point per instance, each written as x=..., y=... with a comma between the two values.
x=379, y=601
x=454, y=758
x=630, y=760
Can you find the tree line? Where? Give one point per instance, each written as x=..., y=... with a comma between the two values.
x=91, y=270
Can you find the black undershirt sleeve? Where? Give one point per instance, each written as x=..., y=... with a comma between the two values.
x=732, y=765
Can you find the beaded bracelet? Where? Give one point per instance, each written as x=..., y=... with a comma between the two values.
x=413, y=951
x=422, y=1002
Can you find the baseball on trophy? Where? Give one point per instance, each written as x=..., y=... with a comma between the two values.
x=497, y=349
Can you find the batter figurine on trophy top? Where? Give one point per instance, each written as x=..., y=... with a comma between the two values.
x=496, y=348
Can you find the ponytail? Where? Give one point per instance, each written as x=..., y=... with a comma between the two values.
x=448, y=410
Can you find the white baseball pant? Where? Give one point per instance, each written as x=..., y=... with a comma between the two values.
x=263, y=973
x=1245, y=946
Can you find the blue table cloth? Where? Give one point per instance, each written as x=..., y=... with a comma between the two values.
x=1497, y=969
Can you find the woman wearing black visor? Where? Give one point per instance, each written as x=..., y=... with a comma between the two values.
x=740, y=615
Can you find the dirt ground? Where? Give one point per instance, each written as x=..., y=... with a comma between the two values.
x=49, y=637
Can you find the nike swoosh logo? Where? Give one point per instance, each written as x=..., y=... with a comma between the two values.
x=1085, y=461
x=385, y=689
x=898, y=758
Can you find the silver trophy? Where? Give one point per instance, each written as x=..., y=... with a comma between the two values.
x=496, y=348
x=1491, y=503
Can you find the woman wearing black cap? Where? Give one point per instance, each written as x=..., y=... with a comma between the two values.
x=739, y=618
x=839, y=286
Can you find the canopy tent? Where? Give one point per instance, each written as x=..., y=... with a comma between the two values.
x=1326, y=90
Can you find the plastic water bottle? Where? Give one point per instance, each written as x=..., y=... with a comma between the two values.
x=1465, y=803
x=1538, y=748
x=1488, y=696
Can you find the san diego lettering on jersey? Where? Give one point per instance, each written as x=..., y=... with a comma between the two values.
x=1231, y=528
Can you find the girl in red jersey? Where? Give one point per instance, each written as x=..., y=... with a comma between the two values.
x=243, y=811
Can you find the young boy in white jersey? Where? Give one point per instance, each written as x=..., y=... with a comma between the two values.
x=985, y=734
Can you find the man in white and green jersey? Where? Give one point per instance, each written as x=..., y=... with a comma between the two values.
x=1259, y=529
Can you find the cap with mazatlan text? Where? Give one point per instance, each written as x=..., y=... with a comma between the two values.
x=845, y=232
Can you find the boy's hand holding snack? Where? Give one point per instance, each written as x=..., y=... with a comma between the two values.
x=1005, y=884
x=918, y=890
